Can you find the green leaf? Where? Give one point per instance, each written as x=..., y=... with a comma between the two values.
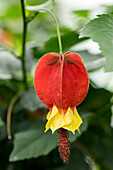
x=77, y=160
x=10, y=66
x=14, y=11
x=100, y=144
x=30, y=101
x=102, y=79
x=91, y=61
x=108, y=9
x=32, y=11
x=1, y=122
x=112, y=113
x=48, y=5
x=35, y=2
x=33, y=143
x=101, y=31
x=82, y=13
x=69, y=39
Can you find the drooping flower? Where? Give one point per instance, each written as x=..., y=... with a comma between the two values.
x=61, y=82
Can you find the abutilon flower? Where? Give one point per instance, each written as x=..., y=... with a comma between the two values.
x=62, y=82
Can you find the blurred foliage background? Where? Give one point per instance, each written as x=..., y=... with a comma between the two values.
x=29, y=147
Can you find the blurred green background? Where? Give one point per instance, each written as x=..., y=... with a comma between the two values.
x=29, y=147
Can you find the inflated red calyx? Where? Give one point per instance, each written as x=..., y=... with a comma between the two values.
x=61, y=80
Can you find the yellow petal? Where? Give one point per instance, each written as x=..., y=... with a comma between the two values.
x=68, y=116
x=48, y=115
x=70, y=120
x=74, y=125
x=54, y=123
x=54, y=112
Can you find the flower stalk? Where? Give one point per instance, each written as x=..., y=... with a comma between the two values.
x=57, y=27
x=56, y=22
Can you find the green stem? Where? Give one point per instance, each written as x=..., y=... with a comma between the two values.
x=57, y=26
x=23, y=43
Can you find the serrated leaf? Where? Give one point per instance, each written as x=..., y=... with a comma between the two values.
x=101, y=31
x=30, y=101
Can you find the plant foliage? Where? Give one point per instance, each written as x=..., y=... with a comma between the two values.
x=31, y=148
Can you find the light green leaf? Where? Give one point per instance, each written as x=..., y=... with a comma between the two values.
x=101, y=31
x=14, y=11
x=82, y=13
x=102, y=79
x=91, y=61
x=32, y=11
x=1, y=122
x=48, y=5
x=10, y=66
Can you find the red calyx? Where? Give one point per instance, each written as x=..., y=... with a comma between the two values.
x=61, y=80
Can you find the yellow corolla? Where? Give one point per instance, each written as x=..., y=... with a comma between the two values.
x=70, y=120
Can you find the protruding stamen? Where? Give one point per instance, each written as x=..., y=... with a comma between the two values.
x=64, y=144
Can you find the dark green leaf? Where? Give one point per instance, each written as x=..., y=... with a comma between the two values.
x=1, y=122
x=69, y=39
x=101, y=31
x=33, y=143
x=99, y=144
x=98, y=102
x=30, y=101
x=78, y=160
